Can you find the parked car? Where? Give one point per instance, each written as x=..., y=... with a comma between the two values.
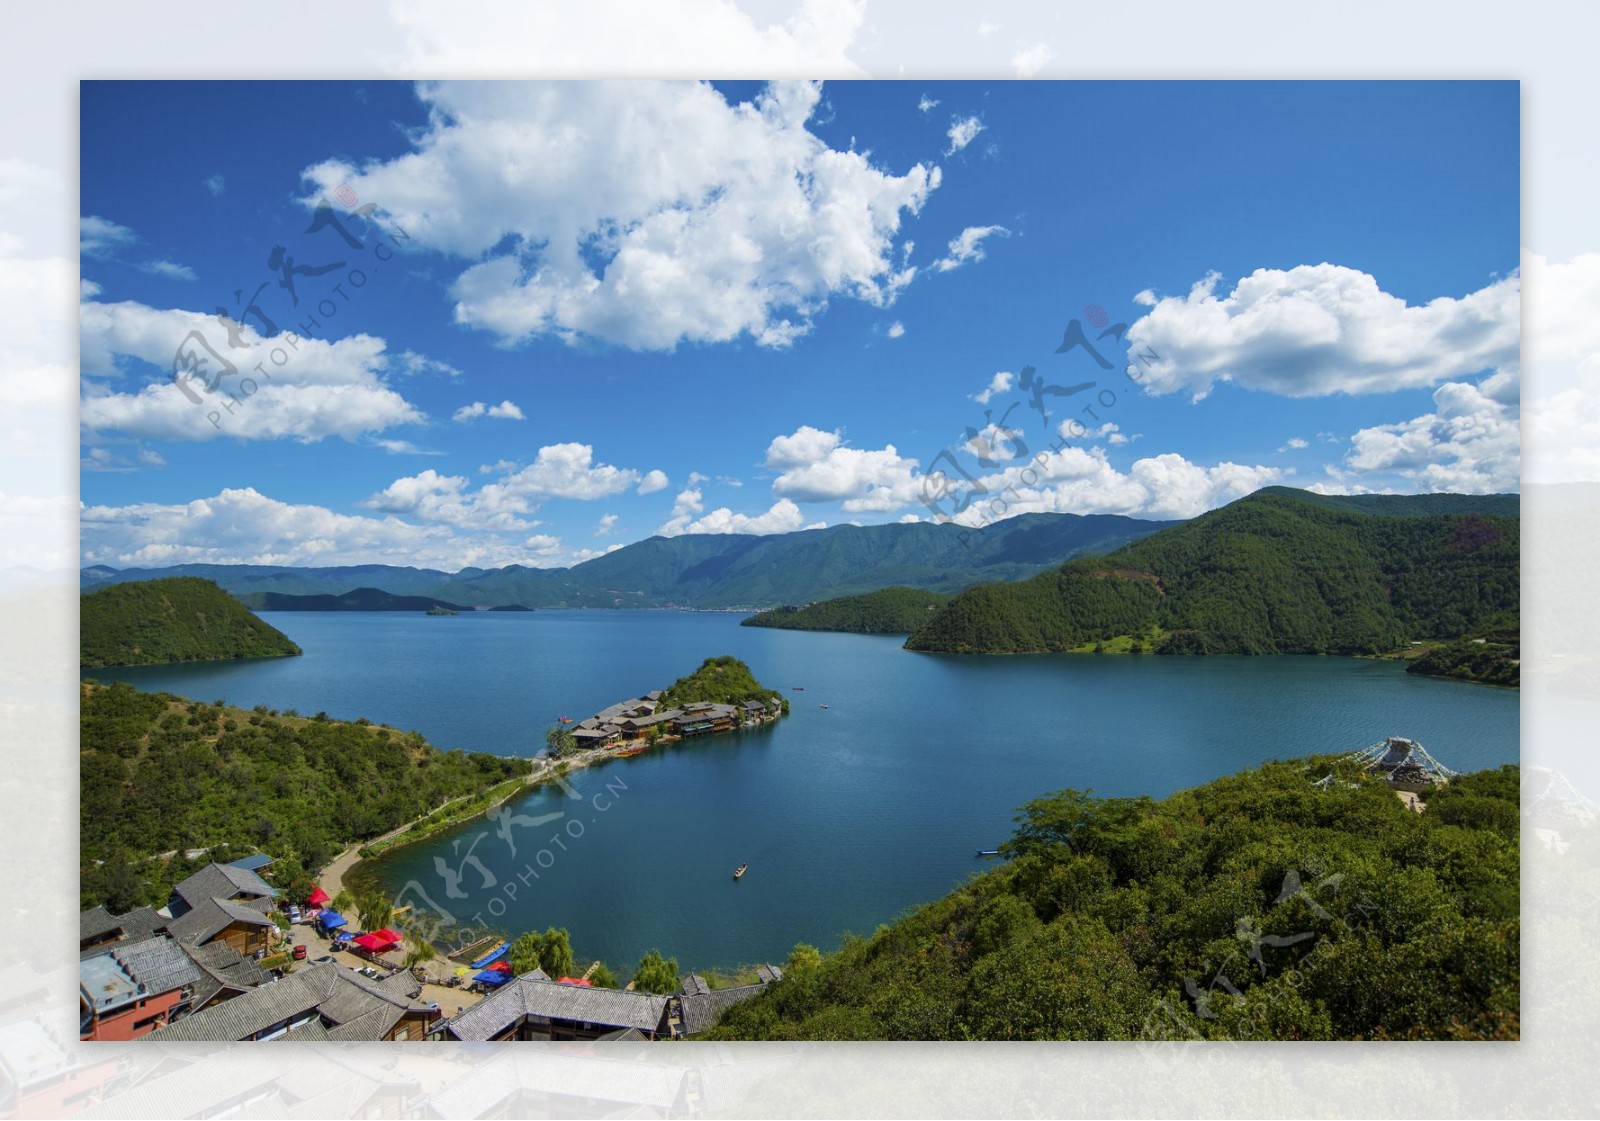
x=300, y=952
x=323, y=960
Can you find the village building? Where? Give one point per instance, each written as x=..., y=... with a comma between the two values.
x=129, y=990
x=226, y=904
x=98, y=927
x=705, y=718
x=217, y=971
x=322, y=1002
x=533, y=1007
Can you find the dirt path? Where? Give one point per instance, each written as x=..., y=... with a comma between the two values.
x=332, y=878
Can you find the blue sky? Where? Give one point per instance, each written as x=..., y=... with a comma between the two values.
x=591, y=312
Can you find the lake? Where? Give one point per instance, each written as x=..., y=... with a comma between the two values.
x=847, y=815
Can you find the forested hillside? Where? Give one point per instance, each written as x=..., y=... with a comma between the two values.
x=1273, y=573
x=1258, y=906
x=182, y=619
x=890, y=611
x=723, y=680
x=159, y=773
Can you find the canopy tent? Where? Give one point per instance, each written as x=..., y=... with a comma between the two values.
x=390, y=935
x=330, y=920
x=584, y=981
x=500, y=967
x=374, y=942
x=490, y=977
x=317, y=897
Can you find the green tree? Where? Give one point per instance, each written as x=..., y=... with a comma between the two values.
x=344, y=902
x=375, y=907
x=550, y=951
x=560, y=741
x=656, y=974
x=603, y=977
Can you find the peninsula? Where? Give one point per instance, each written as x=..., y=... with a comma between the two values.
x=721, y=696
x=180, y=619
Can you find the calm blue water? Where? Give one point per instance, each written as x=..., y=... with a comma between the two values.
x=847, y=815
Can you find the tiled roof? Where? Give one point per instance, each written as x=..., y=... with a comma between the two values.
x=158, y=963
x=356, y=1007
x=135, y=925
x=222, y=967
x=95, y=922
x=698, y=1011
x=530, y=995
x=122, y=973
x=223, y=881
x=208, y=917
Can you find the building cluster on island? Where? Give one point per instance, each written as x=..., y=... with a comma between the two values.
x=193, y=971
x=637, y=720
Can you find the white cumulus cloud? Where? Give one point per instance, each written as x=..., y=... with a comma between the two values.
x=1077, y=480
x=171, y=270
x=642, y=213
x=307, y=389
x=967, y=247
x=505, y=410
x=1315, y=330
x=1000, y=383
x=963, y=131
x=1469, y=444
x=815, y=466
x=101, y=237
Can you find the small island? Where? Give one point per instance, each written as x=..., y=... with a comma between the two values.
x=886, y=611
x=439, y=609
x=721, y=696
x=357, y=599
x=178, y=619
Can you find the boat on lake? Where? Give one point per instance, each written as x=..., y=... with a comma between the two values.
x=739, y=871
x=988, y=852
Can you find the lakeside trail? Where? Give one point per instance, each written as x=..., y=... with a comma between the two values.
x=332, y=877
x=331, y=880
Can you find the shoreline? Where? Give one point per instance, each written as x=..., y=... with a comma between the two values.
x=339, y=871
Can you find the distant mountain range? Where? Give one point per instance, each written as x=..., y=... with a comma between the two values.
x=696, y=570
x=1281, y=571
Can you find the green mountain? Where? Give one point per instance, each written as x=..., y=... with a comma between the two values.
x=711, y=570
x=1278, y=572
x=182, y=619
x=359, y=599
x=159, y=773
x=887, y=611
x=1259, y=906
x=724, y=680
